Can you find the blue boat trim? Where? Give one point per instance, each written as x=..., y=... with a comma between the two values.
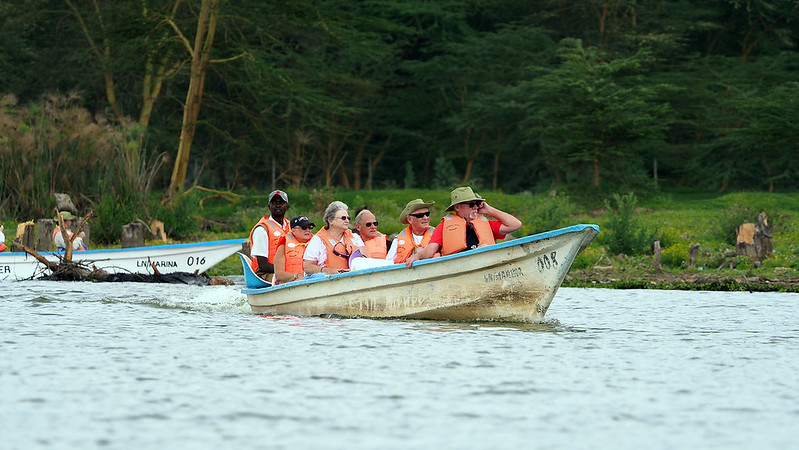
x=513, y=242
x=251, y=279
x=152, y=247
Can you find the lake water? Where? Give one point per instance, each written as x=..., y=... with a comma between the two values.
x=93, y=365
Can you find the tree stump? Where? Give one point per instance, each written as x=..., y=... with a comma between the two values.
x=44, y=235
x=744, y=242
x=762, y=237
x=24, y=236
x=657, y=256
x=133, y=235
x=754, y=240
x=693, y=251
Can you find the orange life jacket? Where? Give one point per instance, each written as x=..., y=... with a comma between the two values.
x=3, y=246
x=335, y=261
x=406, y=244
x=274, y=233
x=56, y=232
x=294, y=250
x=376, y=247
x=454, y=233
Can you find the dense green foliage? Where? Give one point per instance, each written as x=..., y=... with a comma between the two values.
x=586, y=97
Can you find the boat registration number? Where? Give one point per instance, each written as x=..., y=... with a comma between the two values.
x=547, y=262
x=5, y=269
x=503, y=274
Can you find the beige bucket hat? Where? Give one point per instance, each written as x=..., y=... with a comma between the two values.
x=412, y=206
x=462, y=194
x=66, y=215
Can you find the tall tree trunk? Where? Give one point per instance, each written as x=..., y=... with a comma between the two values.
x=200, y=58
x=596, y=172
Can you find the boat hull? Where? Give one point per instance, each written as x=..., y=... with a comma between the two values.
x=193, y=257
x=512, y=281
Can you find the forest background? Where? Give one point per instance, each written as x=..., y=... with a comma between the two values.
x=128, y=105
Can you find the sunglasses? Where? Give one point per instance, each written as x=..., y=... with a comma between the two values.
x=420, y=215
x=344, y=217
x=307, y=227
x=369, y=224
x=473, y=203
x=337, y=253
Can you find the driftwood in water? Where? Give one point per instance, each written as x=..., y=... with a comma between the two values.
x=66, y=270
x=193, y=279
x=754, y=240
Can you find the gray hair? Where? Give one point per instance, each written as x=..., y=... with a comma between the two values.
x=361, y=214
x=330, y=212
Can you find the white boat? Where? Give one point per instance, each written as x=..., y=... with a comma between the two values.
x=192, y=257
x=513, y=281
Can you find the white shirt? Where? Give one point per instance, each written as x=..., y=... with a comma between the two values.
x=260, y=238
x=392, y=252
x=317, y=252
x=59, y=242
x=2, y=238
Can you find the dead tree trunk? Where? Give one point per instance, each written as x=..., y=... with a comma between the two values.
x=657, y=256
x=754, y=240
x=693, y=251
x=762, y=237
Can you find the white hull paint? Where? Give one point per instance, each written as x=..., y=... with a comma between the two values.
x=193, y=257
x=512, y=281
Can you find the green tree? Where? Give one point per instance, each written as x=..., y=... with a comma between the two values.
x=593, y=115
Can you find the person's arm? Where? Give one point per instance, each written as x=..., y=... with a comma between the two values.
x=509, y=222
x=313, y=257
x=260, y=250
x=361, y=246
x=58, y=240
x=264, y=265
x=426, y=253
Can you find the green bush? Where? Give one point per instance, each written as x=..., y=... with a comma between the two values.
x=181, y=216
x=675, y=255
x=724, y=225
x=624, y=232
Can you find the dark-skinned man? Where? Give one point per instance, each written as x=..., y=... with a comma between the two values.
x=266, y=235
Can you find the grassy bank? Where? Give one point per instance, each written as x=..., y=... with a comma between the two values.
x=676, y=218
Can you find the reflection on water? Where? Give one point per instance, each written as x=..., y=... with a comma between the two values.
x=129, y=365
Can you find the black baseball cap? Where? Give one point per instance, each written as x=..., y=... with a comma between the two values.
x=301, y=221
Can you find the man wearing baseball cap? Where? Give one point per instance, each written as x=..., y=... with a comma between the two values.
x=266, y=235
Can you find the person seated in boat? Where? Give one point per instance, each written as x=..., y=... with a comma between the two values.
x=266, y=234
x=2, y=239
x=58, y=237
x=416, y=235
x=466, y=227
x=376, y=243
x=330, y=249
x=290, y=250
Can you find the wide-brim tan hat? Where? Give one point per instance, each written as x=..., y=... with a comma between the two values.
x=66, y=215
x=412, y=206
x=462, y=194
